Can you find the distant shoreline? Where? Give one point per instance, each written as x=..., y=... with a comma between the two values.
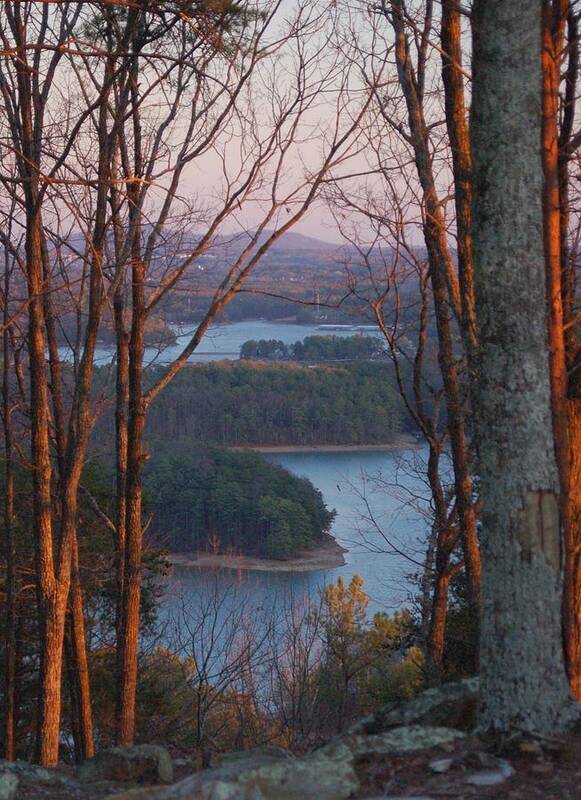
x=402, y=442
x=327, y=555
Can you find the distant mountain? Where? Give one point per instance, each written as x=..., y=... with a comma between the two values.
x=301, y=243
x=291, y=242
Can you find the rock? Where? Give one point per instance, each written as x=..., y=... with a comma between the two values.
x=264, y=776
x=8, y=784
x=144, y=763
x=452, y=705
x=31, y=771
x=24, y=772
x=184, y=762
x=440, y=765
x=267, y=754
x=407, y=739
x=493, y=776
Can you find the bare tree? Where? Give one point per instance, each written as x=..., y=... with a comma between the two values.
x=195, y=99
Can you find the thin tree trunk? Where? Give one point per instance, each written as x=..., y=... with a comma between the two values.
x=133, y=526
x=436, y=633
x=445, y=541
x=523, y=680
x=555, y=215
x=459, y=136
x=121, y=405
x=572, y=594
x=131, y=598
x=10, y=551
x=572, y=405
x=80, y=661
x=446, y=297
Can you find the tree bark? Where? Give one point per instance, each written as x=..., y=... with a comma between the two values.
x=459, y=136
x=10, y=552
x=565, y=423
x=523, y=679
x=572, y=593
x=80, y=661
x=131, y=598
x=446, y=296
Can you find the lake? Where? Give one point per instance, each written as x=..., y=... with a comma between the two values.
x=221, y=341
x=377, y=496
x=378, y=501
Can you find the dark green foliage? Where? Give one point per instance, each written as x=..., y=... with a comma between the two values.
x=231, y=403
x=315, y=349
x=233, y=501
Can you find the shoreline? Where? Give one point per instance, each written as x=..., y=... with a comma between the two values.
x=327, y=555
x=403, y=442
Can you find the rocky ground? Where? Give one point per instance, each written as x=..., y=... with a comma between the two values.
x=421, y=750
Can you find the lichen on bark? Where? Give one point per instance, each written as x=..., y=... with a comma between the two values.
x=523, y=680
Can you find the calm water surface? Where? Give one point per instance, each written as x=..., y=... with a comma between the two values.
x=222, y=341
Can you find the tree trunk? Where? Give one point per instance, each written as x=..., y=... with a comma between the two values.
x=80, y=662
x=446, y=539
x=555, y=207
x=446, y=296
x=523, y=680
x=572, y=594
x=121, y=403
x=129, y=642
x=436, y=633
x=10, y=554
x=459, y=136
x=53, y=593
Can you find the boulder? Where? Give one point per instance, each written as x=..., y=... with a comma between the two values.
x=29, y=771
x=407, y=739
x=452, y=705
x=264, y=776
x=435, y=718
x=144, y=763
x=8, y=784
x=22, y=773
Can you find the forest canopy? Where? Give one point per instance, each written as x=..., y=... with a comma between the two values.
x=229, y=501
x=315, y=348
x=231, y=403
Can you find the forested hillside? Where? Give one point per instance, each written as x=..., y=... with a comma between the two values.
x=231, y=403
x=232, y=502
x=315, y=349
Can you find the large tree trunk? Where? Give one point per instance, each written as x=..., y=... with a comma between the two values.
x=53, y=591
x=523, y=680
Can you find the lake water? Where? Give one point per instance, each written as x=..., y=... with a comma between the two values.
x=222, y=341
x=377, y=496
x=378, y=500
